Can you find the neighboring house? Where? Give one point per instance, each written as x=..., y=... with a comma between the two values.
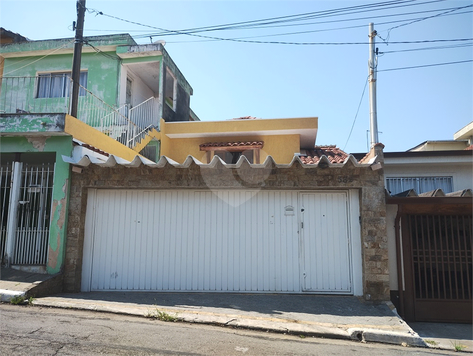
x=126, y=89
x=429, y=219
x=247, y=205
x=7, y=37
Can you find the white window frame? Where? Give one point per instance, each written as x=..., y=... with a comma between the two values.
x=418, y=183
x=64, y=90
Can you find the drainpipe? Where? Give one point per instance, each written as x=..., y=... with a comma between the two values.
x=76, y=57
x=400, y=285
x=12, y=222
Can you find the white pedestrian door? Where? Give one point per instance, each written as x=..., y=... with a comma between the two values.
x=326, y=265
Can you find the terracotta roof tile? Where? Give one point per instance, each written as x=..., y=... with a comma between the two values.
x=469, y=148
x=232, y=144
x=333, y=153
x=95, y=149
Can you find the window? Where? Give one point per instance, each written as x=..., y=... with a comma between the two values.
x=233, y=157
x=56, y=85
x=230, y=152
x=170, y=89
x=419, y=184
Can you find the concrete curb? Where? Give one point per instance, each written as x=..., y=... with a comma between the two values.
x=7, y=295
x=276, y=325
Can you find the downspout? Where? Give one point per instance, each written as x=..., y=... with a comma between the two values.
x=399, y=263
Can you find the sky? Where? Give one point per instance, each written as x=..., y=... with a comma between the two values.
x=313, y=65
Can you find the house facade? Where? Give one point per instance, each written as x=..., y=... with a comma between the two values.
x=311, y=224
x=138, y=199
x=429, y=219
x=126, y=89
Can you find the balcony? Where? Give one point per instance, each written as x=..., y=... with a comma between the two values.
x=52, y=95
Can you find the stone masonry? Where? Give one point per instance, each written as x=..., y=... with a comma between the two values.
x=296, y=177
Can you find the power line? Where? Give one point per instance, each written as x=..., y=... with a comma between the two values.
x=461, y=45
x=423, y=19
x=293, y=17
x=155, y=34
x=266, y=21
x=357, y=111
x=281, y=34
x=281, y=19
x=106, y=55
x=426, y=65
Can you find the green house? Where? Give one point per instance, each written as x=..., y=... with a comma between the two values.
x=125, y=90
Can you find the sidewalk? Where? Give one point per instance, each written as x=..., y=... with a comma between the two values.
x=341, y=317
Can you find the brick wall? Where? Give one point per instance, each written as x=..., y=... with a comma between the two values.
x=369, y=182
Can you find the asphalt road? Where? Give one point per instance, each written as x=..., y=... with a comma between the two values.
x=42, y=331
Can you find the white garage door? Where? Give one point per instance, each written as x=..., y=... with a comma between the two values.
x=240, y=241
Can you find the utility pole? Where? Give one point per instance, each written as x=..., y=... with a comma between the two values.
x=76, y=57
x=372, y=64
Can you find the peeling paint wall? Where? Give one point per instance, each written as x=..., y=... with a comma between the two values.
x=102, y=72
x=60, y=145
x=29, y=123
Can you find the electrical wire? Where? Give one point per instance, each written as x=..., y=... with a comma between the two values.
x=156, y=34
x=304, y=17
x=426, y=65
x=260, y=22
x=461, y=45
x=291, y=18
x=299, y=16
x=104, y=54
x=422, y=19
x=281, y=34
x=357, y=111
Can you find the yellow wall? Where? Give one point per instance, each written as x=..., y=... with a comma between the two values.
x=281, y=147
x=277, y=144
x=91, y=136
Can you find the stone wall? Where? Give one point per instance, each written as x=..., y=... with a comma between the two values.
x=369, y=182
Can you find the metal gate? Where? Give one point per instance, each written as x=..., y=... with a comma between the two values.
x=221, y=241
x=26, y=193
x=441, y=266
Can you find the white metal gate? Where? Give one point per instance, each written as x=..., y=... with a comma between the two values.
x=26, y=193
x=187, y=240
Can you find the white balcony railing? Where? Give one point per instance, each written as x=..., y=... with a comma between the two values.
x=20, y=95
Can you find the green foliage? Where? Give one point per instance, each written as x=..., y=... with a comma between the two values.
x=21, y=300
x=457, y=346
x=161, y=315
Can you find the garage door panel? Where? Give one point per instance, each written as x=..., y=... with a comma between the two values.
x=202, y=241
x=326, y=243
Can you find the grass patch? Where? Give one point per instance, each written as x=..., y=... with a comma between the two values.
x=458, y=347
x=21, y=300
x=161, y=315
x=431, y=342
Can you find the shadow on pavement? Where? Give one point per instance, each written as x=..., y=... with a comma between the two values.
x=261, y=303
